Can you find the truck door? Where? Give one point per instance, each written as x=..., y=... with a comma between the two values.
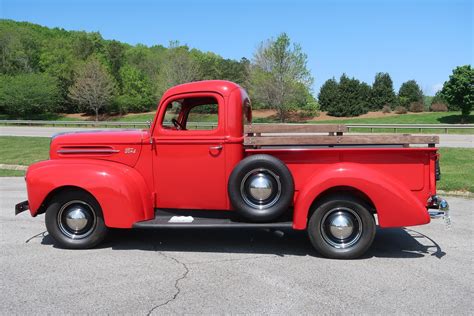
x=189, y=153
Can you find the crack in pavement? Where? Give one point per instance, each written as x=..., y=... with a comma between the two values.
x=176, y=282
x=37, y=235
x=227, y=260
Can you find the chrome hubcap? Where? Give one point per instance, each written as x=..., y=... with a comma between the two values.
x=341, y=227
x=260, y=188
x=76, y=219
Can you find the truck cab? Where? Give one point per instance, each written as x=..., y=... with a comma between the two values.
x=202, y=163
x=197, y=159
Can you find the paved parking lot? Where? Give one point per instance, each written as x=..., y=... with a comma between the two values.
x=424, y=269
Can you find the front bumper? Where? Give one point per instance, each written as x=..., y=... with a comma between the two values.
x=439, y=208
x=21, y=207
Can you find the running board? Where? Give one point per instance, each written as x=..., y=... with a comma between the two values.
x=203, y=219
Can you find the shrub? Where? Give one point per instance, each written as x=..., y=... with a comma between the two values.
x=439, y=107
x=417, y=107
x=386, y=109
x=131, y=104
x=28, y=94
x=403, y=101
x=400, y=110
x=309, y=109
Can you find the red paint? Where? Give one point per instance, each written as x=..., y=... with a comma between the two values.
x=132, y=172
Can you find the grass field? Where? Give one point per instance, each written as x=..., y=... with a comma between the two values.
x=421, y=118
x=23, y=150
x=457, y=169
x=457, y=165
x=11, y=173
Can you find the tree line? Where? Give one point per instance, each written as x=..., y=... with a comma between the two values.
x=351, y=97
x=45, y=70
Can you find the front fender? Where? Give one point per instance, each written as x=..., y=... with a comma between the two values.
x=396, y=205
x=120, y=190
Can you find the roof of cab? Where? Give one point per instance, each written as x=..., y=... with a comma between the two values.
x=223, y=87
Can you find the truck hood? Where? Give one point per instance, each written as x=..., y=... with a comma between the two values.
x=123, y=146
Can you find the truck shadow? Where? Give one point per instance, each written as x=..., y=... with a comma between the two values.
x=388, y=243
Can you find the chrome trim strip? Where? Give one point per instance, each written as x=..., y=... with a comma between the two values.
x=88, y=151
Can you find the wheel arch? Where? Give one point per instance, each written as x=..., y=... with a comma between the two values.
x=121, y=191
x=57, y=191
x=391, y=199
x=333, y=192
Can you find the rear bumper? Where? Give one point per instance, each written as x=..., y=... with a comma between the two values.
x=439, y=208
x=21, y=207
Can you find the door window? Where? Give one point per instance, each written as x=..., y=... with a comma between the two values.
x=200, y=113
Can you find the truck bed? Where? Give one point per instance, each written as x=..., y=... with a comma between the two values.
x=264, y=135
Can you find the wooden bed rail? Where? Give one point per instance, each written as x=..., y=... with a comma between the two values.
x=294, y=128
x=257, y=135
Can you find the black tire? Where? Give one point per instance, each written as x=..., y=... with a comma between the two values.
x=82, y=204
x=276, y=173
x=337, y=209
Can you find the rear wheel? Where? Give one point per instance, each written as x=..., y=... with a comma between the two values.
x=341, y=227
x=74, y=219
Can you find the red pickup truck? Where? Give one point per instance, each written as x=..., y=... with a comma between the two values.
x=233, y=173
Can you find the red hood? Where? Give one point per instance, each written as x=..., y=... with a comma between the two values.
x=123, y=146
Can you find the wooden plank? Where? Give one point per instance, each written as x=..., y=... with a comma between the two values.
x=340, y=140
x=294, y=128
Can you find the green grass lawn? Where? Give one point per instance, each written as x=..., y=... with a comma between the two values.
x=412, y=130
x=135, y=118
x=422, y=118
x=23, y=150
x=457, y=165
x=11, y=173
x=457, y=169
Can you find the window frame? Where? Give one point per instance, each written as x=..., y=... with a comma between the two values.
x=159, y=129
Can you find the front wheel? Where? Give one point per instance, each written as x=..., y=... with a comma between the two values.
x=74, y=219
x=341, y=227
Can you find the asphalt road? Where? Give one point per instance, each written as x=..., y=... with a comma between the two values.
x=425, y=269
x=449, y=140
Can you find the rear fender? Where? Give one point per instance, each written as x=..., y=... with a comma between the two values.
x=396, y=205
x=120, y=190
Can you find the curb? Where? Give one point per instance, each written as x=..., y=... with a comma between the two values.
x=465, y=194
x=13, y=167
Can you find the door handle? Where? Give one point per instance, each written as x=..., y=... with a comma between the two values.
x=218, y=147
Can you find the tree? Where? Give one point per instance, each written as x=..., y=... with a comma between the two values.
x=328, y=94
x=115, y=56
x=353, y=97
x=26, y=94
x=19, y=49
x=278, y=74
x=410, y=92
x=382, y=91
x=178, y=66
x=349, y=97
x=86, y=44
x=136, y=91
x=93, y=87
x=459, y=90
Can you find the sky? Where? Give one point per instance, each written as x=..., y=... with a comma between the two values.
x=418, y=39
